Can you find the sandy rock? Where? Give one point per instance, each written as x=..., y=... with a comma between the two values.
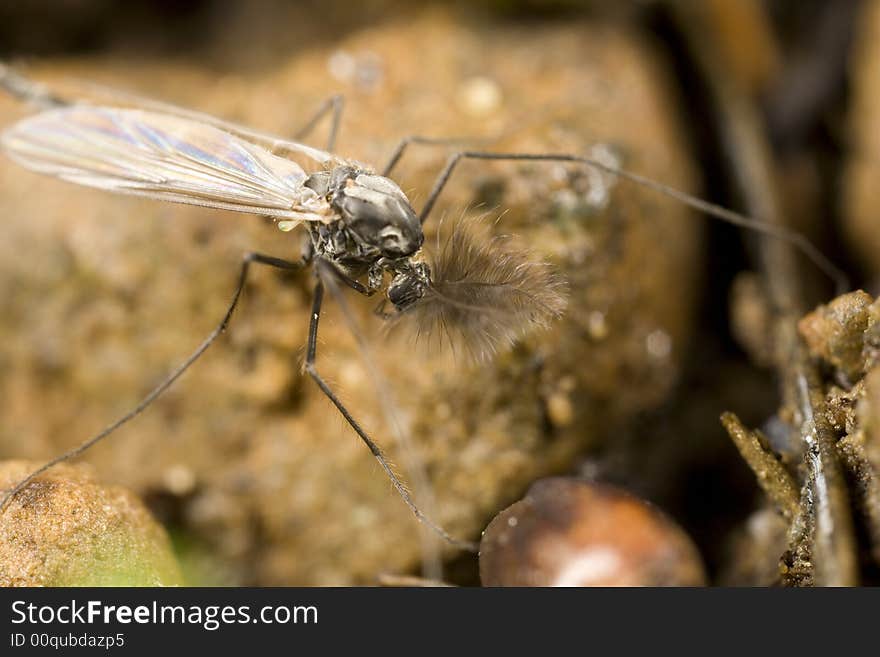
x=65, y=529
x=104, y=295
x=836, y=332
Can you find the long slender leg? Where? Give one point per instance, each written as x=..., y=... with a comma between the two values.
x=333, y=104
x=357, y=286
x=404, y=143
x=310, y=367
x=780, y=232
x=431, y=564
x=249, y=258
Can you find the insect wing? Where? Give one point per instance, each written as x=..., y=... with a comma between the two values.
x=72, y=91
x=161, y=156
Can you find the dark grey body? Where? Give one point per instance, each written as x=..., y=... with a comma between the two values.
x=377, y=231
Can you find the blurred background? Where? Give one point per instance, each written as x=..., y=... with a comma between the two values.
x=671, y=315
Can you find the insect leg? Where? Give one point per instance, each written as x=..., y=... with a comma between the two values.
x=792, y=237
x=402, y=145
x=399, y=486
x=330, y=275
x=249, y=258
x=333, y=104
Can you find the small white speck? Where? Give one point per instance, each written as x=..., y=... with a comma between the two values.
x=479, y=96
x=512, y=521
x=597, y=325
x=601, y=182
x=352, y=375
x=179, y=480
x=342, y=66
x=363, y=69
x=559, y=173
x=369, y=71
x=659, y=344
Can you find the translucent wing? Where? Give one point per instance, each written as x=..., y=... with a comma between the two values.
x=82, y=92
x=165, y=157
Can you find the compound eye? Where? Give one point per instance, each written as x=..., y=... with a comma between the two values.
x=404, y=291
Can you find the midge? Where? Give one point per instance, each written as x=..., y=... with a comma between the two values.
x=361, y=229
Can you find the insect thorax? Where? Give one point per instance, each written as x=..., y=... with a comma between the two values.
x=336, y=242
x=374, y=230
x=373, y=219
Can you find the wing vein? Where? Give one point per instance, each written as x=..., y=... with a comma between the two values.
x=165, y=157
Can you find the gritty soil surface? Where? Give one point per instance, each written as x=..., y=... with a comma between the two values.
x=244, y=458
x=64, y=529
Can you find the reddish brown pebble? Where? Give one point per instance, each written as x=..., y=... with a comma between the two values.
x=567, y=532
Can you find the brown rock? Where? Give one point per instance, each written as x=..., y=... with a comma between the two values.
x=65, y=529
x=836, y=332
x=104, y=295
